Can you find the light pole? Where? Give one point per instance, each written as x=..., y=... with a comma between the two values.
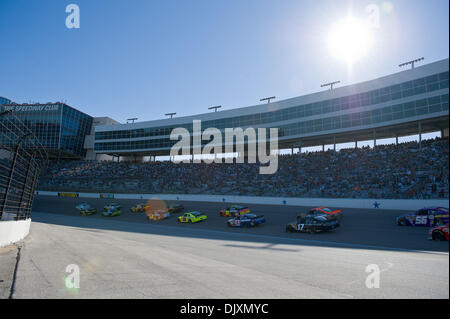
x=411, y=62
x=170, y=114
x=330, y=84
x=132, y=120
x=267, y=99
x=215, y=108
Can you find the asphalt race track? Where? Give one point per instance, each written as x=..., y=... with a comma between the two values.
x=130, y=257
x=370, y=227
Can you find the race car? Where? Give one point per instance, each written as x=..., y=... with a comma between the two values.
x=191, y=217
x=327, y=211
x=176, y=208
x=438, y=233
x=86, y=209
x=112, y=211
x=428, y=216
x=158, y=214
x=139, y=208
x=310, y=223
x=234, y=210
x=112, y=205
x=246, y=220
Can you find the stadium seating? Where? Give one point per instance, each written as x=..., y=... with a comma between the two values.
x=388, y=171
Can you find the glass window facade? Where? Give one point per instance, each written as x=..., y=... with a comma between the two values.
x=60, y=128
x=351, y=104
x=3, y=101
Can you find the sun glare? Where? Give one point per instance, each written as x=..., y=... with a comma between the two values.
x=350, y=40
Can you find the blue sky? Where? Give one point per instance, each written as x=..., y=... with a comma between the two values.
x=144, y=58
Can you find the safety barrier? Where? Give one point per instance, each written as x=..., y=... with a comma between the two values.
x=391, y=204
x=13, y=231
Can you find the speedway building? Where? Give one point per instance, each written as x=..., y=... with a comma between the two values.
x=410, y=102
x=64, y=131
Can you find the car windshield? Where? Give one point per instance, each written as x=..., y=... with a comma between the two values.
x=327, y=210
x=195, y=213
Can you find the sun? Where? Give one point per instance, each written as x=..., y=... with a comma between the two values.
x=350, y=40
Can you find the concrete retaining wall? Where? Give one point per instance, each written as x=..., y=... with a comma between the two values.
x=13, y=231
x=396, y=204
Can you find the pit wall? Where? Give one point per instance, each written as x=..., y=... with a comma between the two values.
x=394, y=204
x=12, y=231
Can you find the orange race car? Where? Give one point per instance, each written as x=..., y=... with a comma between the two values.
x=159, y=214
x=327, y=211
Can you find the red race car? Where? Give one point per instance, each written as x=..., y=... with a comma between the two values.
x=234, y=210
x=326, y=211
x=438, y=233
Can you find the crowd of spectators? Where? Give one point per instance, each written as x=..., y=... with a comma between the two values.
x=386, y=171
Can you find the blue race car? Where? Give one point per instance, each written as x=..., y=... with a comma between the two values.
x=428, y=216
x=246, y=220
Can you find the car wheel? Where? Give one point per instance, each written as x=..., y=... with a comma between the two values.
x=402, y=222
x=437, y=235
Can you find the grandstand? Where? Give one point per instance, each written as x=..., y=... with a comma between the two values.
x=403, y=171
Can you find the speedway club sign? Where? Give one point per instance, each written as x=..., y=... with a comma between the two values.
x=32, y=108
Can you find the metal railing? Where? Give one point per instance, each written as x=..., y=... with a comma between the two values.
x=21, y=158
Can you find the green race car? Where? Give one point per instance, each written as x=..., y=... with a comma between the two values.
x=112, y=211
x=191, y=217
x=86, y=209
x=112, y=205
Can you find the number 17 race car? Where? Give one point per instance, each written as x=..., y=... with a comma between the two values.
x=310, y=223
x=326, y=211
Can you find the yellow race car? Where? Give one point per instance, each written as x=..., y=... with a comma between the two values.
x=140, y=208
x=86, y=209
x=191, y=217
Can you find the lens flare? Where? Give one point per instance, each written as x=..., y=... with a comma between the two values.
x=350, y=39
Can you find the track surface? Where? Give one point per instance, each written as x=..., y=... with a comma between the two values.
x=374, y=227
x=130, y=257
